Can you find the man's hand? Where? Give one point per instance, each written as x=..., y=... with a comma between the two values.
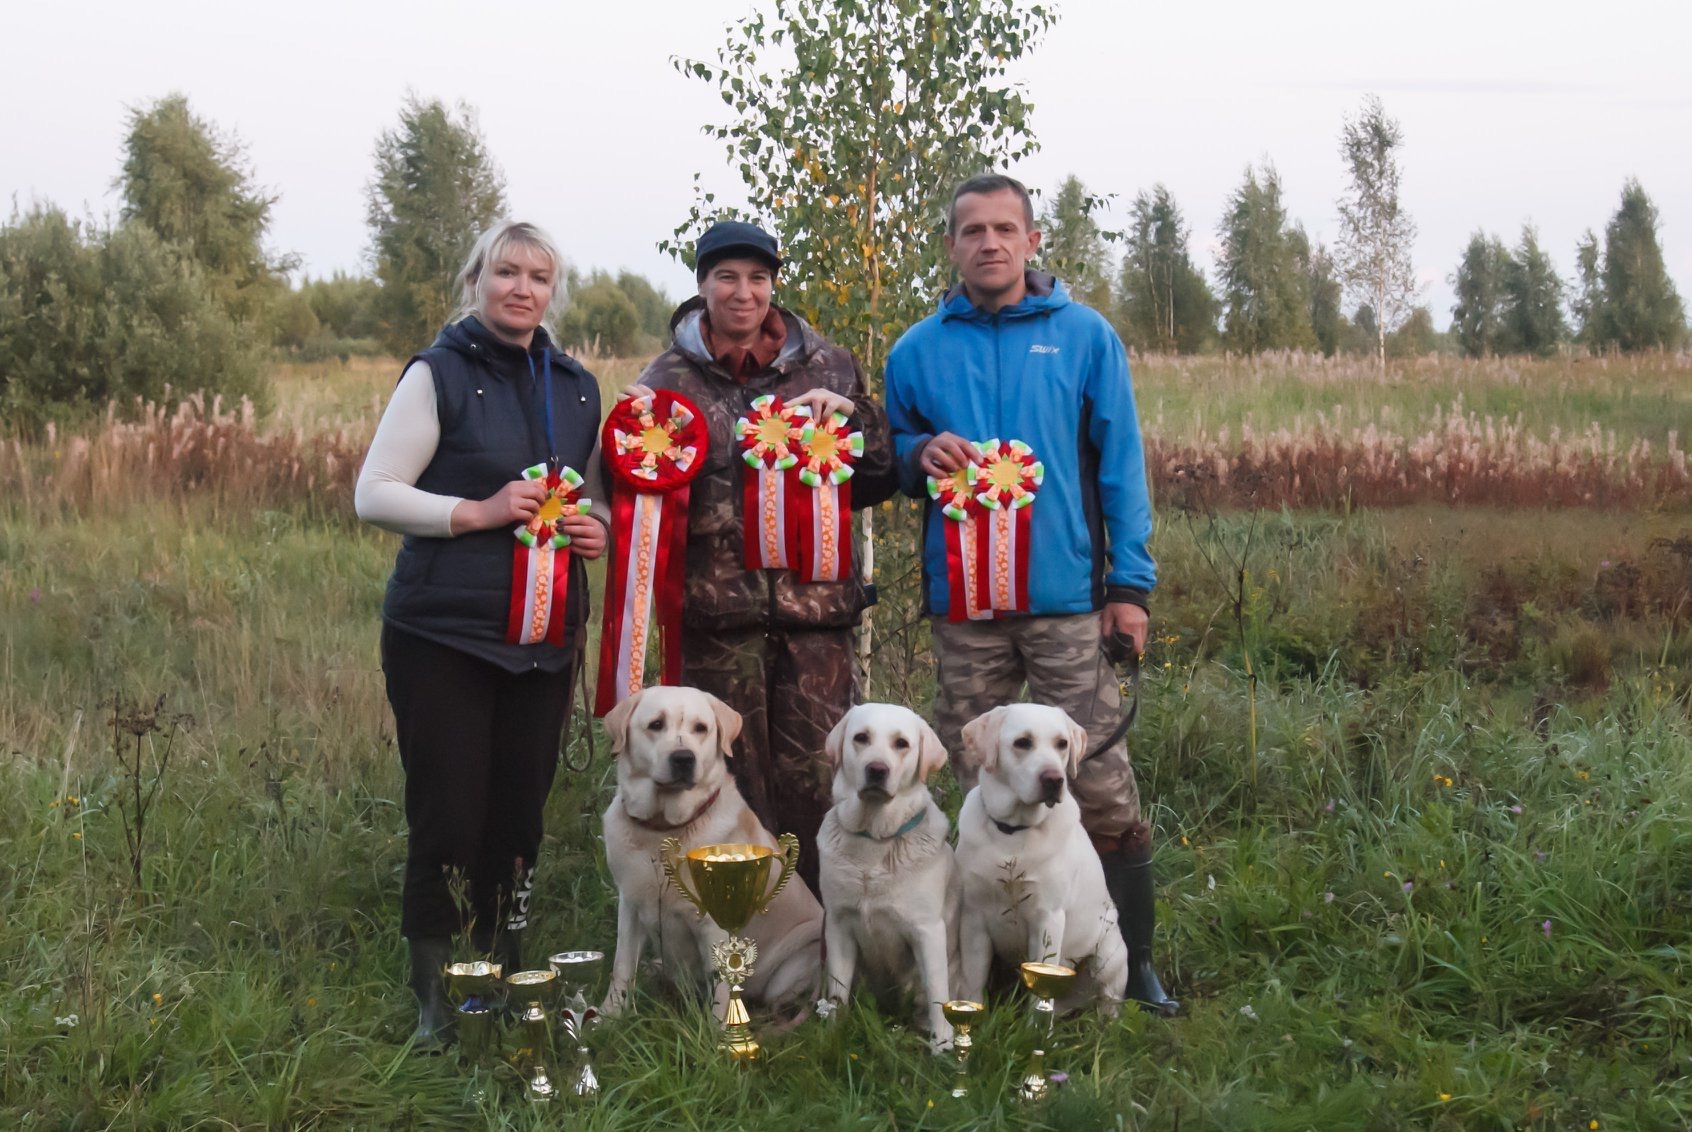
x=587, y=535
x=822, y=402
x=516, y=502
x=1126, y=618
x=945, y=454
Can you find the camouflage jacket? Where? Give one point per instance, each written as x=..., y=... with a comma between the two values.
x=721, y=592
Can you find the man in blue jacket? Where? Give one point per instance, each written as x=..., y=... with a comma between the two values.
x=1009, y=356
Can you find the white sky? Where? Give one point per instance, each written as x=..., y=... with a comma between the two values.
x=1513, y=110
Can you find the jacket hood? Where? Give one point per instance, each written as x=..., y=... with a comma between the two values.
x=688, y=339
x=1046, y=293
x=470, y=338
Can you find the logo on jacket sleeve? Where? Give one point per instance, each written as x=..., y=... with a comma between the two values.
x=1037, y=348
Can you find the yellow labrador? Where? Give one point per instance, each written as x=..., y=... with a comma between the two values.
x=887, y=875
x=670, y=745
x=1033, y=887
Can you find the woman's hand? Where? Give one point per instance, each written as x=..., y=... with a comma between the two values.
x=636, y=390
x=587, y=536
x=516, y=502
x=823, y=402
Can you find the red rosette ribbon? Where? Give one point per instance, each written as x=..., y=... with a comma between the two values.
x=653, y=447
x=988, y=508
x=540, y=562
x=769, y=440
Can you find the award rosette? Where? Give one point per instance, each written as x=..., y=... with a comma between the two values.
x=653, y=446
x=540, y=563
x=769, y=434
x=988, y=508
x=827, y=452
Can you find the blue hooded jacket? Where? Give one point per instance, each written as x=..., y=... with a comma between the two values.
x=1053, y=374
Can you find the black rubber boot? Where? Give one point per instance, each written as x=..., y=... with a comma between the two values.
x=504, y=948
x=1128, y=877
x=429, y=958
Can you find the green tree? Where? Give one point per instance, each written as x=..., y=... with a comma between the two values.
x=345, y=305
x=1587, y=299
x=88, y=317
x=1534, y=298
x=601, y=318
x=1260, y=274
x=652, y=305
x=850, y=121
x=1415, y=337
x=434, y=191
x=1642, y=309
x=1322, y=284
x=1481, y=315
x=1375, y=232
x=1073, y=246
x=190, y=185
x=1163, y=301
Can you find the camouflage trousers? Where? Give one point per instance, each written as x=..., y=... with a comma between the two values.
x=790, y=686
x=982, y=664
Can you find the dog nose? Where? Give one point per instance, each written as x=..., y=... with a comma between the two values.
x=875, y=774
x=682, y=765
x=1051, y=787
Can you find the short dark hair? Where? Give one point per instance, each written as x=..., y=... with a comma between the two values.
x=986, y=183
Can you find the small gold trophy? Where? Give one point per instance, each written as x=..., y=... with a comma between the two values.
x=531, y=989
x=729, y=883
x=962, y=1014
x=1047, y=981
x=576, y=971
x=471, y=986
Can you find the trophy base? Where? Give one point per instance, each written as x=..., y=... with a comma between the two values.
x=1034, y=1085
x=741, y=1047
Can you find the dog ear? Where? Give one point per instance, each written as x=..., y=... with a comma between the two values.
x=931, y=754
x=728, y=725
x=981, y=740
x=1077, y=747
x=835, y=745
x=617, y=722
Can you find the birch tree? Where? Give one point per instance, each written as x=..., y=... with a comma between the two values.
x=1375, y=231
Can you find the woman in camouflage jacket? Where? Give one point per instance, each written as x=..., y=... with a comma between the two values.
x=777, y=650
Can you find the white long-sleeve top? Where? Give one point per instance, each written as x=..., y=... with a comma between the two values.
x=387, y=494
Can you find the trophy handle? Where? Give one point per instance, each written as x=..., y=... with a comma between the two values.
x=670, y=853
x=788, y=851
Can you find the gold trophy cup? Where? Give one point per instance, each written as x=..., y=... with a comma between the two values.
x=1046, y=981
x=471, y=986
x=962, y=1014
x=531, y=988
x=731, y=885
x=576, y=971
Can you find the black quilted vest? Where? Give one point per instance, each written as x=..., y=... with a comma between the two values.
x=491, y=400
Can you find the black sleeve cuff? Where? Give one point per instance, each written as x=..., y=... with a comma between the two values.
x=1132, y=595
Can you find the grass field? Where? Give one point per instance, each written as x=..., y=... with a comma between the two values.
x=1428, y=865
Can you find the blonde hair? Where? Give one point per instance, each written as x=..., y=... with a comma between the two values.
x=491, y=247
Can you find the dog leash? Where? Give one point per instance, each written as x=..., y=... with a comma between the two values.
x=585, y=728
x=1119, y=649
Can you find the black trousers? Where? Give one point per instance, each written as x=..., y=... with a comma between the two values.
x=480, y=749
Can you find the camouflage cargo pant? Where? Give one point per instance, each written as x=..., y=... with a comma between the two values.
x=790, y=688
x=982, y=664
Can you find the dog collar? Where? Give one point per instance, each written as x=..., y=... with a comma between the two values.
x=650, y=823
x=898, y=833
x=1006, y=829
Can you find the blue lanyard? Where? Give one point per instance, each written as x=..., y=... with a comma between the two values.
x=551, y=437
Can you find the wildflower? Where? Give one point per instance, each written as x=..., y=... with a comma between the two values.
x=69, y=1021
x=1592, y=1124
x=1443, y=780
x=1583, y=775
x=1516, y=809
x=853, y=1056
x=1539, y=856
x=77, y=835
x=1444, y=1097
x=1327, y=898
x=35, y=596
x=1329, y=808
x=1247, y=1012
x=158, y=999
x=1184, y=840
x=1058, y=1078
x=1545, y=927
x=311, y=1000
x=1409, y=886
x=1210, y=881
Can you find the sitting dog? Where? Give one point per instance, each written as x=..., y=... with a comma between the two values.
x=1033, y=888
x=886, y=872
x=670, y=745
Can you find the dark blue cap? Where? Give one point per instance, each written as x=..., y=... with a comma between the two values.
x=734, y=239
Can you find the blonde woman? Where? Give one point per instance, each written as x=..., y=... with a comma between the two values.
x=479, y=702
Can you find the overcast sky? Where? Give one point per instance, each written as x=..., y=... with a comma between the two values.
x=1512, y=111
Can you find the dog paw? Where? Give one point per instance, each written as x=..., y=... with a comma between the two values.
x=615, y=1003
x=826, y=1009
x=940, y=1043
